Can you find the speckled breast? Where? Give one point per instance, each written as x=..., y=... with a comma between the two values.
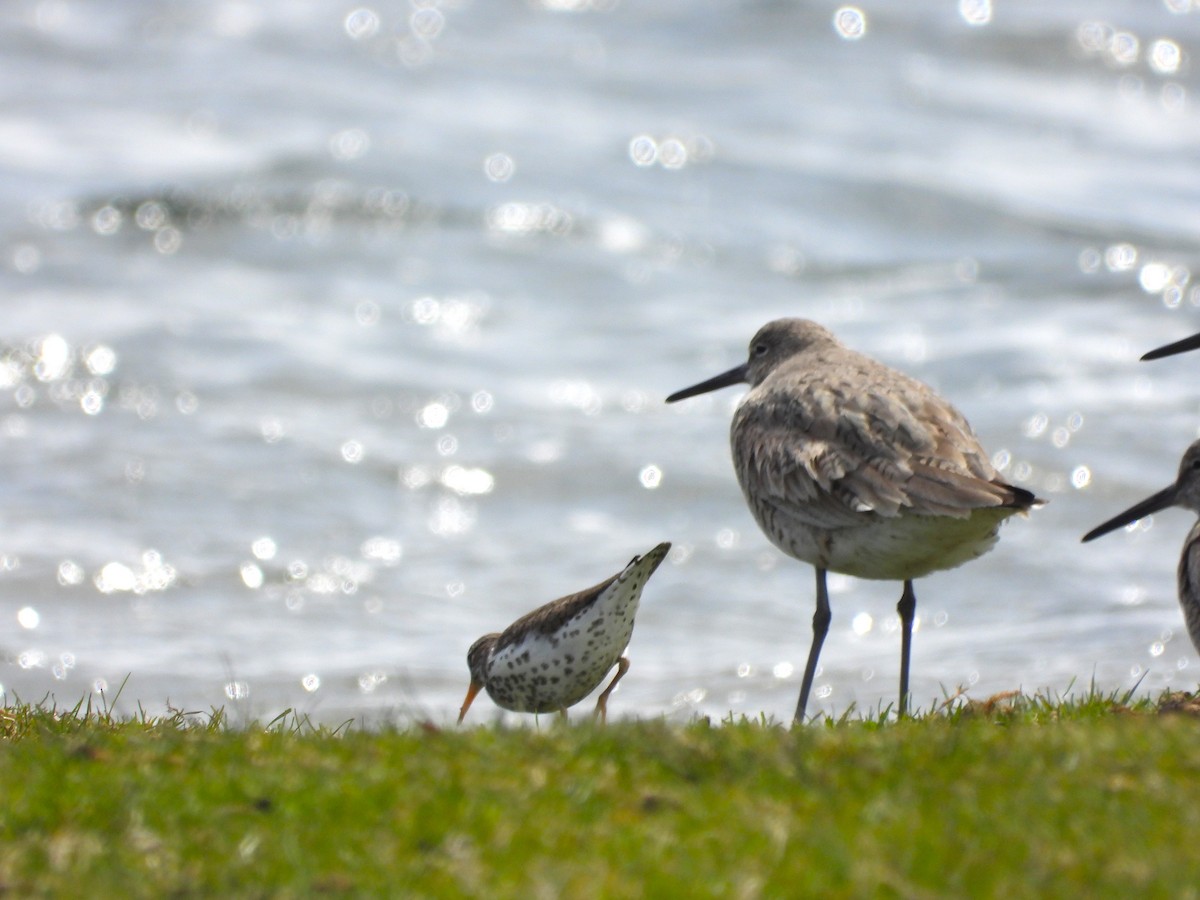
x=548, y=672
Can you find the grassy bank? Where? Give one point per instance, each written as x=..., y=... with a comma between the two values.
x=1023, y=797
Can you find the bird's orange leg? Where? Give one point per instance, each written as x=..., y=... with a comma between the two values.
x=602, y=703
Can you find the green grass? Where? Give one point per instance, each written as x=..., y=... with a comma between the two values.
x=1016, y=797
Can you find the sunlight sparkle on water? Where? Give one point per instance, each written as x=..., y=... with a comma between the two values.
x=168, y=240
x=367, y=313
x=499, y=167
x=850, y=23
x=154, y=575
x=451, y=517
x=70, y=573
x=1165, y=57
x=650, y=477
x=237, y=690
x=349, y=144
x=975, y=12
x=670, y=152
x=862, y=623
x=482, y=402
x=529, y=218
x=361, y=23
x=727, y=538
x=272, y=430
x=467, y=481
x=451, y=315
x=578, y=395
x=252, y=575
x=61, y=669
x=107, y=220
x=382, y=549
x=53, y=359
x=100, y=359
x=546, y=451
x=263, y=548
x=1120, y=257
x=435, y=415
x=27, y=617
x=369, y=681
x=415, y=477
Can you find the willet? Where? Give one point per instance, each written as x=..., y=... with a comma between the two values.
x=854, y=467
x=1188, y=343
x=556, y=655
x=1184, y=492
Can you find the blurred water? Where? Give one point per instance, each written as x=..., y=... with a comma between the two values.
x=336, y=336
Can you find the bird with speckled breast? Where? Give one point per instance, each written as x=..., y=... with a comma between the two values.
x=553, y=657
x=854, y=467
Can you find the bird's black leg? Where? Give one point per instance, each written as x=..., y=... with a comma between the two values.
x=907, y=608
x=820, y=628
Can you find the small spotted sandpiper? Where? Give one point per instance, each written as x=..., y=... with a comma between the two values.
x=556, y=655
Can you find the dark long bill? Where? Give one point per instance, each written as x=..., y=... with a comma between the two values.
x=1161, y=500
x=725, y=379
x=1189, y=343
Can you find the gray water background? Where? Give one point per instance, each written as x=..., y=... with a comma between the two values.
x=335, y=336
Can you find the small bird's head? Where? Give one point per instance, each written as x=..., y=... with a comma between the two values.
x=774, y=344
x=477, y=660
x=1184, y=492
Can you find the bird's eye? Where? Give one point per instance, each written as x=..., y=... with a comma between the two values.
x=1196, y=463
x=759, y=350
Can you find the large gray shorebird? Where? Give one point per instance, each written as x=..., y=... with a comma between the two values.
x=556, y=655
x=854, y=467
x=1184, y=492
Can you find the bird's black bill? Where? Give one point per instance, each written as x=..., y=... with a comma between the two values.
x=725, y=379
x=1190, y=343
x=1159, y=501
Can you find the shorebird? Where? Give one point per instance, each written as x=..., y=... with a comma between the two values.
x=854, y=467
x=1184, y=492
x=556, y=655
x=1188, y=343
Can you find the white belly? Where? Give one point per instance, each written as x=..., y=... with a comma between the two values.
x=894, y=549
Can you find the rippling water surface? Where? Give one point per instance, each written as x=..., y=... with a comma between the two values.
x=336, y=336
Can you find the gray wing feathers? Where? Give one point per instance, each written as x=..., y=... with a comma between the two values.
x=831, y=450
x=553, y=616
x=1189, y=584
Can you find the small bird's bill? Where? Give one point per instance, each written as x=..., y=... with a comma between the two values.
x=474, y=689
x=1189, y=343
x=1153, y=504
x=725, y=379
